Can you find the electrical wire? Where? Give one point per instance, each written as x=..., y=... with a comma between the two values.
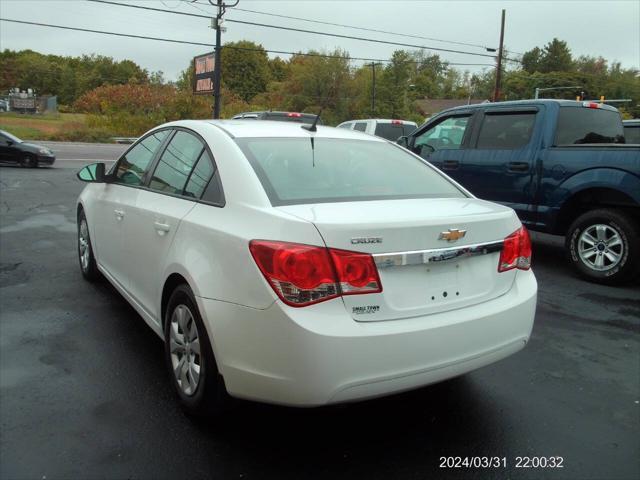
x=232, y=47
x=300, y=30
x=354, y=27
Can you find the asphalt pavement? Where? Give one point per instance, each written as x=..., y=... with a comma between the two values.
x=84, y=392
x=84, y=152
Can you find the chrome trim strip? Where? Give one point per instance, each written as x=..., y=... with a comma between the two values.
x=421, y=257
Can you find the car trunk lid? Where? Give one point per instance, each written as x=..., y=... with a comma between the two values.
x=421, y=273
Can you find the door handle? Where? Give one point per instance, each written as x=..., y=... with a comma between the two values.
x=119, y=214
x=161, y=228
x=450, y=165
x=518, y=166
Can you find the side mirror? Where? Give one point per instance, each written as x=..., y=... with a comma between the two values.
x=9, y=143
x=92, y=173
x=426, y=150
x=407, y=141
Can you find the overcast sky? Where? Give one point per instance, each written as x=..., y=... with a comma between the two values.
x=607, y=28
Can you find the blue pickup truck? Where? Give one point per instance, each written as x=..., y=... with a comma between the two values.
x=563, y=166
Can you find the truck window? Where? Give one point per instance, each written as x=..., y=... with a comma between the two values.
x=579, y=125
x=390, y=131
x=446, y=135
x=632, y=134
x=506, y=131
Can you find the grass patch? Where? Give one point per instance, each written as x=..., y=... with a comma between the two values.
x=70, y=127
x=24, y=133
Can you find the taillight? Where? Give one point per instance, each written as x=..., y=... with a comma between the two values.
x=357, y=273
x=516, y=251
x=294, y=114
x=305, y=274
x=396, y=122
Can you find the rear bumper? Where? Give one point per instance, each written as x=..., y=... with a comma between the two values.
x=319, y=355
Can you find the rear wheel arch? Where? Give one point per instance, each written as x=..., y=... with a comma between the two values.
x=170, y=284
x=592, y=199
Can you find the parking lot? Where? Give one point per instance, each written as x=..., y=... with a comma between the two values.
x=84, y=393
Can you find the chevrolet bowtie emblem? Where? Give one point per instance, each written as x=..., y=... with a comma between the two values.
x=452, y=235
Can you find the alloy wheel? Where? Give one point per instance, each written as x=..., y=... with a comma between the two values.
x=600, y=247
x=186, y=360
x=83, y=245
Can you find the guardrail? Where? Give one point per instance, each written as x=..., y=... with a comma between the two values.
x=124, y=139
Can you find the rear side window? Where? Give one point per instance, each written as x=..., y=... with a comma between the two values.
x=360, y=126
x=131, y=167
x=199, y=176
x=579, y=125
x=506, y=131
x=176, y=163
x=341, y=170
x=390, y=131
x=345, y=125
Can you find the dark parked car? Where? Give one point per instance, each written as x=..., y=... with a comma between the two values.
x=563, y=166
x=14, y=150
x=278, y=116
x=631, y=131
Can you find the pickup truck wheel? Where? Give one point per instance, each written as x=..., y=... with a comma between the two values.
x=604, y=246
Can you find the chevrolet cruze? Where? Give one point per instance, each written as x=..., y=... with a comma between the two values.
x=301, y=266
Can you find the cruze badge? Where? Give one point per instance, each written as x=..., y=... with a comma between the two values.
x=452, y=235
x=357, y=240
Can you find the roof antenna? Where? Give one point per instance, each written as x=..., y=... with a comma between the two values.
x=312, y=127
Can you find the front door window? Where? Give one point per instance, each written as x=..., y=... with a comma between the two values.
x=446, y=135
x=134, y=163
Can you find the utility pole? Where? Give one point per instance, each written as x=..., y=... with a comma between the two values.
x=496, y=93
x=217, y=74
x=373, y=90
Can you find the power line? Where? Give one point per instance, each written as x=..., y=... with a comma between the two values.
x=300, y=30
x=233, y=47
x=193, y=3
x=129, y=35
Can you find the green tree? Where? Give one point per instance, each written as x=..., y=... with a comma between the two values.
x=279, y=69
x=393, y=88
x=245, y=68
x=531, y=60
x=556, y=57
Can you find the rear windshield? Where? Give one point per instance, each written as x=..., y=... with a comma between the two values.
x=340, y=170
x=393, y=131
x=284, y=117
x=578, y=125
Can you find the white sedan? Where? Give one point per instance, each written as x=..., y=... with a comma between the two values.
x=302, y=267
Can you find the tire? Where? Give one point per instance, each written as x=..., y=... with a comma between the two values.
x=615, y=238
x=87, y=260
x=198, y=383
x=29, y=161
